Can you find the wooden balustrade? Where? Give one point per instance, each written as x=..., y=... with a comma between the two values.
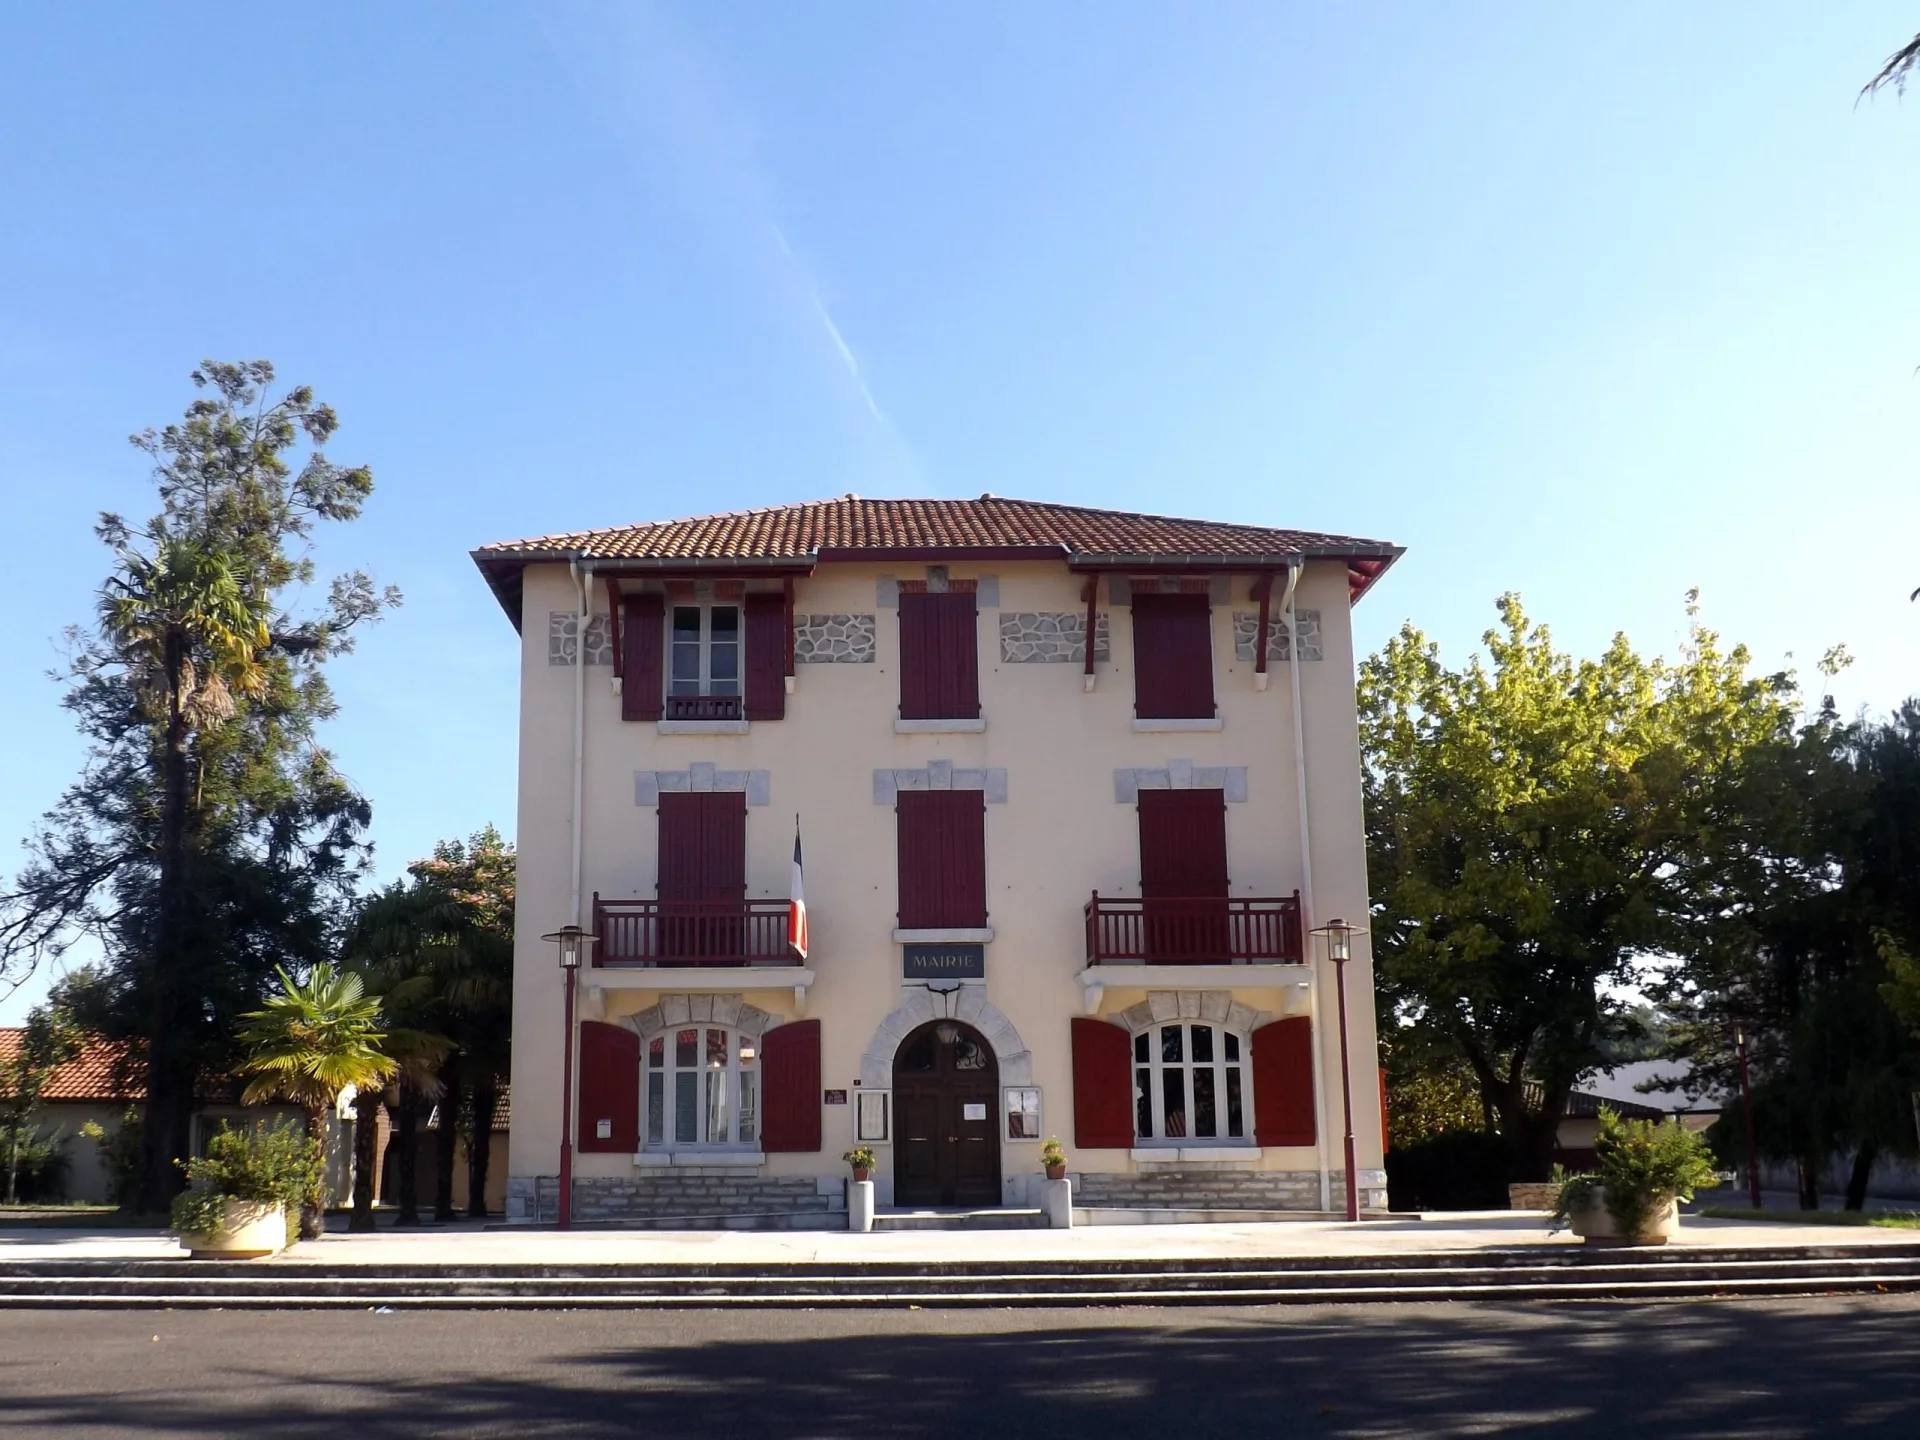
x=680, y=933
x=1194, y=930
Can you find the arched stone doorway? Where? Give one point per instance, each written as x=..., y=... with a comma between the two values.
x=946, y=1091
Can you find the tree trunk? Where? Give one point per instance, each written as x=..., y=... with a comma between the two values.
x=479, y=1143
x=447, y=1140
x=313, y=1209
x=1808, y=1174
x=170, y=1074
x=406, y=1140
x=366, y=1156
x=1863, y=1159
x=1531, y=1137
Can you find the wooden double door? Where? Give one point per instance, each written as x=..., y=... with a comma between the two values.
x=946, y=1093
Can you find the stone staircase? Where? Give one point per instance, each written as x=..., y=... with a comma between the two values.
x=1538, y=1273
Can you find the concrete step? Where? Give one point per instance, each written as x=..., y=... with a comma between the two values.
x=1540, y=1275
x=994, y=1218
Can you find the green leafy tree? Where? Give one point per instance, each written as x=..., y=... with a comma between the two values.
x=448, y=928
x=308, y=1044
x=47, y=1041
x=208, y=838
x=1524, y=817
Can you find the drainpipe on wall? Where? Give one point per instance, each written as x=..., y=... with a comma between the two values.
x=1306, y=885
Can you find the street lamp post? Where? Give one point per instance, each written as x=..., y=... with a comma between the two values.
x=1340, y=950
x=573, y=943
x=1746, y=1099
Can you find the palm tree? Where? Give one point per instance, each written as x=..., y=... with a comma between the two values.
x=308, y=1045
x=190, y=635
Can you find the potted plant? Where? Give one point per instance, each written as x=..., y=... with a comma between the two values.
x=1054, y=1159
x=240, y=1193
x=861, y=1159
x=1643, y=1170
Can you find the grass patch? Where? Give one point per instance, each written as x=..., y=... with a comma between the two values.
x=1881, y=1219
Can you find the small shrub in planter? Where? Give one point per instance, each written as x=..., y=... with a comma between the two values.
x=242, y=1188
x=1642, y=1170
x=1054, y=1159
x=861, y=1159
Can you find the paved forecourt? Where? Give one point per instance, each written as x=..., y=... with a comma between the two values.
x=472, y=1244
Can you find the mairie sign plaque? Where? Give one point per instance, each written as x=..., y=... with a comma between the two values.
x=945, y=962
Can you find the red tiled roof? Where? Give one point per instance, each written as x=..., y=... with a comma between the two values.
x=101, y=1071
x=796, y=537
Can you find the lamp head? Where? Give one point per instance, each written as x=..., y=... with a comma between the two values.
x=573, y=943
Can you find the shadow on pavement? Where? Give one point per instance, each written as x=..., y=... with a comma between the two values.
x=1795, y=1368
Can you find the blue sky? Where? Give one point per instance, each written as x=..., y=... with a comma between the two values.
x=1594, y=310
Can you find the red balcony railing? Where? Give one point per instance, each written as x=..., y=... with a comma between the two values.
x=1194, y=931
x=669, y=933
x=704, y=707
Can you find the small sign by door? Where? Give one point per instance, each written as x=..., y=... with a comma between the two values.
x=971, y=1111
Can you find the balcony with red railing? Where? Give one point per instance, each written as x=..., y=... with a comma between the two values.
x=684, y=934
x=704, y=707
x=1197, y=930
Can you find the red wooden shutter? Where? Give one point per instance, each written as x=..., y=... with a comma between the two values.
x=942, y=844
x=1172, y=657
x=703, y=845
x=1183, y=843
x=609, y=1087
x=939, y=656
x=790, y=1068
x=1102, y=1085
x=642, y=687
x=766, y=639
x=1283, y=1082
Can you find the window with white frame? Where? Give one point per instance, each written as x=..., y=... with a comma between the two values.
x=702, y=1089
x=1190, y=1083
x=705, y=645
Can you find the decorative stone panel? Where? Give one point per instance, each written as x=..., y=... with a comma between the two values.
x=1181, y=775
x=702, y=776
x=1246, y=634
x=564, y=625
x=940, y=775
x=833, y=639
x=1039, y=637
x=1196, y=1187
x=696, y=1009
x=712, y=1198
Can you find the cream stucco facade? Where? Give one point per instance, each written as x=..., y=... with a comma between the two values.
x=1060, y=825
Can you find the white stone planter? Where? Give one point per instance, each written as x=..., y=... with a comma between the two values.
x=247, y=1231
x=1596, y=1226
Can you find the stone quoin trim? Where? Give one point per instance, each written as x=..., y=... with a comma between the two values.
x=1246, y=632
x=1041, y=637
x=564, y=625
x=940, y=775
x=970, y=1006
x=1181, y=775
x=702, y=776
x=833, y=639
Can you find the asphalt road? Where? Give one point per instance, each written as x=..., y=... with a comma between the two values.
x=1745, y=1368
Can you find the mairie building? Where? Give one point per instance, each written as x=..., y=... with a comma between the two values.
x=1073, y=790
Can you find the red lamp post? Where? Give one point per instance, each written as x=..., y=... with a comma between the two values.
x=1340, y=950
x=1746, y=1099
x=573, y=943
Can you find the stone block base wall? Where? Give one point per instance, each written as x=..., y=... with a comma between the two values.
x=1198, y=1189
x=717, y=1198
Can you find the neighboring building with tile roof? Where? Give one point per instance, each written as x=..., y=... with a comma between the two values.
x=1073, y=785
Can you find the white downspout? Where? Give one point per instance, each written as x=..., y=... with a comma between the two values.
x=583, y=581
x=1306, y=887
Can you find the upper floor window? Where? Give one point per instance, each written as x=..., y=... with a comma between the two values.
x=1189, y=1083
x=942, y=838
x=939, y=654
x=702, y=1088
x=1172, y=657
x=706, y=650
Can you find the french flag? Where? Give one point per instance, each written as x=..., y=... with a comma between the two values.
x=797, y=901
